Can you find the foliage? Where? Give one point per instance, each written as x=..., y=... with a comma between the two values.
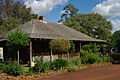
x=60, y=45
x=2, y=67
x=75, y=62
x=91, y=48
x=9, y=24
x=13, y=68
x=107, y=59
x=12, y=14
x=16, y=9
x=91, y=59
x=40, y=66
x=115, y=40
x=18, y=39
x=72, y=47
x=72, y=69
x=69, y=10
x=59, y=64
x=92, y=24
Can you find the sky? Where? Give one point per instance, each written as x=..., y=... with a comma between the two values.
x=110, y=9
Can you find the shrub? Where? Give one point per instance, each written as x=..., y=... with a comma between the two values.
x=60, y=45
x=90, y=59
x=2, y=67
x=72, y=69
x=84, y=53
x=13, y=68
x=75, y=62
x=40, y=66
x=91, y=48
x=107, y=59
x=59, y=64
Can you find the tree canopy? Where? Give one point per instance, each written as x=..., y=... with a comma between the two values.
x=92, y=24
x=115, y=40
x=16, y=9
x=60, y=45
x=13, y=13
x=17, y=40
x=68, y=11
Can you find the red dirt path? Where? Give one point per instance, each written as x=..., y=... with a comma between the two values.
x=109, y=72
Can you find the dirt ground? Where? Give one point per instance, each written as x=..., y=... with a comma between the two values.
x=109, y=72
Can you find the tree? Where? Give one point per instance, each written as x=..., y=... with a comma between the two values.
x=68, y=11
x=92, y=24
x=60, y=45
x=9, y=24
x=16, y=9
x=115, y=40
x=17, y=40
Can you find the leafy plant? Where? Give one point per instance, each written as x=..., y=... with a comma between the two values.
x=90, y=59
x=13, y=68
x=40, y=66
x=75, y=62
x=2, y=67
x=59, y=64
x=72, y=69
x=107, y=59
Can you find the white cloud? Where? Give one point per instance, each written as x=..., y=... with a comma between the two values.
x=111, y=10
x=41, y=7
x=116, y=25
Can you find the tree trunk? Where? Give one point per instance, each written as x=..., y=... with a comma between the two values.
x=18, y=56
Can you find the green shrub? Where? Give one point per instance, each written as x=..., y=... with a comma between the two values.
x=75, y=61
x=84, y=53
x=13, y=68
x=90, y=59
x=107, y=59
x=40, y=66
x=2, y=67
x=72, y=69
x=59, y=64
x=91, y=48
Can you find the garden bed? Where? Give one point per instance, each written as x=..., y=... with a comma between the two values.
x=4, y=76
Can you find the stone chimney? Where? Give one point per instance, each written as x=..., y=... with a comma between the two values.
x=42, y=18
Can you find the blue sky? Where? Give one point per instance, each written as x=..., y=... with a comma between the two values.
x=110, y=9
x=84, y=6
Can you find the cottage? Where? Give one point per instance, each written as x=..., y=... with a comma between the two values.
x=40, y=33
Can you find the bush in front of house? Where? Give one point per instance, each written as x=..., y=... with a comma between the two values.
x=107, y=59
x=88, y=57
x=59, y=64
x=75, y=62
x=91, y=48
x=2, y=67
x=40, y=66
x=72, y=69
x=13, y=68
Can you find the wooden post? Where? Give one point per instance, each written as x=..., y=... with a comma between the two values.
x=30, y=53
x=51, y=59
x=18, y=56
x=68, y=55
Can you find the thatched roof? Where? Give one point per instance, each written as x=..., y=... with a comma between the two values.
x=45, y=30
